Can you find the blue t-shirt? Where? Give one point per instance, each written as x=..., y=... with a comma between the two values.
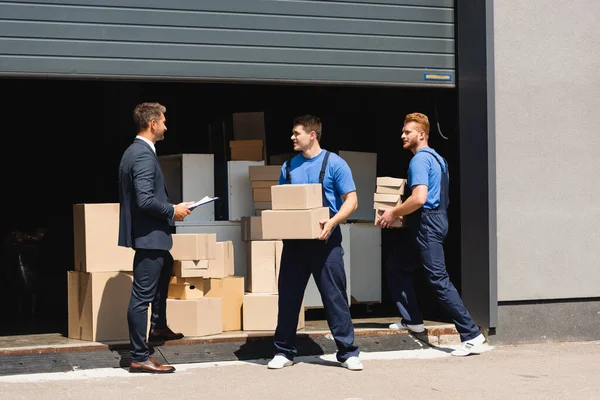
x=423, y=169
x=336, y=182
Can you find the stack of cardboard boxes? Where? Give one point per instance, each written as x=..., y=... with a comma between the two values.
x=198, y=259
x=262, y=178
x=388, y=194
x=204, y=296
x=296, y=212
x=264, y=258
x=100, y=286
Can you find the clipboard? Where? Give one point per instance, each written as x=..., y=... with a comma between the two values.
x=204, y=200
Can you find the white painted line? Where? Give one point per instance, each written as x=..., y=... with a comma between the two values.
x=101, y=373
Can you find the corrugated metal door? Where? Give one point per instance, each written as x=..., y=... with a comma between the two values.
x=350, y=41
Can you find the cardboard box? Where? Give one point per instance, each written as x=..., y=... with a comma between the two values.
x=199, y=317
x=251, y=228
x=246, y=150
x=95, y=237
x=389, y=181
x=97, y=305
x=263, y=205
x=297, y=197
x=263, y=184
x=260, y=312
x=185, y=291
x=223, y=264
x=199, y=282
x=390, y=190
x=190, y=269
x=264, y=172
x=262, y=272
x=261, y=195
x=231, y=292
x=386, y=201
x=398, y=223
x=293, y=224
x=194, y=246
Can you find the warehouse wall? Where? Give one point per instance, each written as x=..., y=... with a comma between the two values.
x=547, y=119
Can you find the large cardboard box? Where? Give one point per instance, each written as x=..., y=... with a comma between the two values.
x=231, y=292
x=260, y=312
x=95, y=237
x=199, y=317
x=97, y=305
x=249, y=125
x=263, y=262
x=293, y=224
x=297, y=197
x=264, y=173
x=194, y=246
x=246, y=150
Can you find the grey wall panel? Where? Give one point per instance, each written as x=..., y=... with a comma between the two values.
x=247, y=38
x=547, y=141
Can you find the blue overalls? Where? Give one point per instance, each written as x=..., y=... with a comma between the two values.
x=429, y=228
x=324, y=259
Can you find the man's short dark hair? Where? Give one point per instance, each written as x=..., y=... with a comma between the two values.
x=144, y=113
x=310, y=123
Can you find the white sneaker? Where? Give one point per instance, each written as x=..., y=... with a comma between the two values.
x=279, y=361
x=418, y=328
x=469, y=346
x=353, y=364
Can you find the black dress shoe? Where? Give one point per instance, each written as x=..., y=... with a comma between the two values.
x=163, y=335
x=151, y=366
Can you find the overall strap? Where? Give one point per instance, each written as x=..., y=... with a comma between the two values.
x=438, y=161
x=323, y=167
x=288, y=171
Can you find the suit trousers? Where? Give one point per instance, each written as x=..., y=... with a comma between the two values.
x=152, y=270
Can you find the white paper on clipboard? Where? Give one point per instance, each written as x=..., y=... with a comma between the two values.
x=204, y=200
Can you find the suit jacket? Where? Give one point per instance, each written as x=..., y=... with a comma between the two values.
x=144, y=205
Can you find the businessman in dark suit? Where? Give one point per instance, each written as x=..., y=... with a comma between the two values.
x=145, y=212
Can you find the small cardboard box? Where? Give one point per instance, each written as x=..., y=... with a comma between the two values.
x=264, y=172
x=261, y=195
x=95, y=237
x=194, y=246
x=199, y=317
x=190, y=269
x=231, y=292
x=246, y=150
x=398, y=223
x=293, y=224
x=297, y=197
x=185, y=291
x=389, y=181
x=263, y=184
x=386, y=201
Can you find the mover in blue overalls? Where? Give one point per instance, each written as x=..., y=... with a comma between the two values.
x=425, y=213
x=324, y=257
